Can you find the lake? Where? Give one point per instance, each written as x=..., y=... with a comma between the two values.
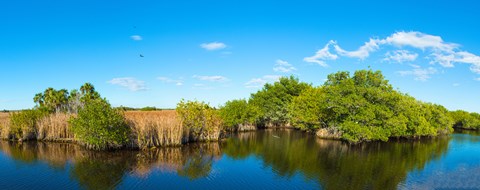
x=265, y=159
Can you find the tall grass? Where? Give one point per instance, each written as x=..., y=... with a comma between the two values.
x=4, y=125
x=54, y=127
x=155, y=128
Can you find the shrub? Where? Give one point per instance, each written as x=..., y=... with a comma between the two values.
x=23, y=124
x=99, y=126
x=238, y=112
x=201, y=121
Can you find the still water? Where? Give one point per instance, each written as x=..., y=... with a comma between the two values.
x=256, y=160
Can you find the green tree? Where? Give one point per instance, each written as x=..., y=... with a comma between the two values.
x=305, y=109
x=88, y=92
x=238, y=112
x=273, y=100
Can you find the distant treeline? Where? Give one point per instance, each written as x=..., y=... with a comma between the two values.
x=147, y=108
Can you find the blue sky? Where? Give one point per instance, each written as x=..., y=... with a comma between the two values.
x=215, y=51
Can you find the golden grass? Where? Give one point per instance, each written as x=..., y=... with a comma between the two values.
x=4, y=125
x=155, y=128
x=54, y=127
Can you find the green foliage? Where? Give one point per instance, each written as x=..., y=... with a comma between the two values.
x=23, y=123
x=273, y=100
x=99, y=126
x=239, y=112
x=465, y=120
x=198, y=117
x=305, y=109
x=365, y=107
x=52, y=100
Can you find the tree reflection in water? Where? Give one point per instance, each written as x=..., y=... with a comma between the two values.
x=336, y=165
x=333, y=164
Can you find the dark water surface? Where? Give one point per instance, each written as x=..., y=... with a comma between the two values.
x=254, y=160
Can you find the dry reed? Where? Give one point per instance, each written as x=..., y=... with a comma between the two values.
x=54, y=127
x=155, y=128
x=4, y=125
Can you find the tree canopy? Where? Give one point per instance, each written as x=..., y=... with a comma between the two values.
x=363, y=106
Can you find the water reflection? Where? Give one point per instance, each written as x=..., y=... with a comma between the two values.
x=331, y=164
x=105, y=170
x=334, y=164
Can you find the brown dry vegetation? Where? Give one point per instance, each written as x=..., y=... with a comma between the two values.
x=155, y=128
x=4, y=125
x=54, y=127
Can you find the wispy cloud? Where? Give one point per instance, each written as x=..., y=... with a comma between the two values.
x=130, y=83
x=362, y=52
x=439, y=52
x=169, y=80
x=400, y=56
x=455, y=84
x=213, y=46
x=259, y=82
x=419, y=73
x=215, y=78
x=419, y=40
x=322, y=55
x=283, y=66
x=136, y=37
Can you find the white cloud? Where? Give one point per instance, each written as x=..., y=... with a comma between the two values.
x=419, y=40
x=169, y=80
x=259, y=82
x=439, y=52
x=477, y=79
x=447, y=59
x=213, y=46
x=322, y=55
x=419, y=73
x=456, y=84
x=283, y=66
x=130, y=83
x=362, y=52
x=136, y=37
x=400, y=56
x=215, y=78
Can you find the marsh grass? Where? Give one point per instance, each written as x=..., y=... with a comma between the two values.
x=4, y=125
x=54, y=127
x=155, y=128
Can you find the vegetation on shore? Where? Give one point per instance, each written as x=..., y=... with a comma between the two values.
x=356, y=108
x=82, y=116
